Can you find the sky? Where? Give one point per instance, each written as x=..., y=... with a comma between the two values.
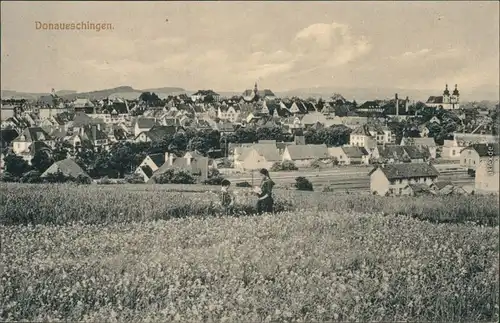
x=228, y=46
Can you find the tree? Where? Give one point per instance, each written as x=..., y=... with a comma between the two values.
x=41, y=161
x=61, y=150
x=16, y=165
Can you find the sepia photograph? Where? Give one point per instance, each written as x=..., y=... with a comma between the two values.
x=249, y=161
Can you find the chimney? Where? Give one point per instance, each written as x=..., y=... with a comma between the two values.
x=94, y=132
x=188, y=160
x=170, y=159
x=397, y=104
x=166, y=156
x=407, y=101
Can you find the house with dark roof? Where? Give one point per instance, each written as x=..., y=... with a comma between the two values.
x=394, y=179
x=473, y=155
x=150, y=164
x=426, y=143
x=30, y=135
x=7, y=136
x=66, y=166
x=94, y=136
x=157, y=133
x=202, y=94
x=393, y=154
x=141, y=124
x=84, y=105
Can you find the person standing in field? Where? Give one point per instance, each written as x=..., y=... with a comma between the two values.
x=265, y=203
x=227, y=198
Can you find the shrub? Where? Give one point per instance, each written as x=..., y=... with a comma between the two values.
x=327, y=188
x=214, y=180
x=286, y=165
x=82, y=179
x=243, y=184
x=31, y=177
x=134, y=179
x=303, y=184
x=8, y=178
x=175, y=176
x=57, y=177
x=316, y=164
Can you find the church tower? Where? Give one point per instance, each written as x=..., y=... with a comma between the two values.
x=446, y=95
x=455, y=98
x=255, y=90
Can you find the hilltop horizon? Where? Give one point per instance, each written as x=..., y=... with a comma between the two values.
x=350, y=93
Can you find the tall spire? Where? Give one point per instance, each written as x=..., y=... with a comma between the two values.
x=455, y=92
x=255, y=90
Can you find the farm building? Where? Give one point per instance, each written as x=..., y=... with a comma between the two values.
x=256, y=156
x=304, y=155
x=394, y=179
x=350, y=155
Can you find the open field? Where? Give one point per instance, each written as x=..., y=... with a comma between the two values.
x=137, y=253
x=350, y=177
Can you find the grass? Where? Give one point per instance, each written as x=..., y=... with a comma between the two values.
x=132, y=253
x=63, y=204
x=307, y=266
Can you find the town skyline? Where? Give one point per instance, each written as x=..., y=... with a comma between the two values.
x=414, y=46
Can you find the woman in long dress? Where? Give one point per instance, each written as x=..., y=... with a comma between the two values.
x=265, y=193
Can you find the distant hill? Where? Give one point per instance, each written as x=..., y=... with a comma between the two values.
x=8, y=94
x=126, y=91
x=65, y=92
x=167, y=90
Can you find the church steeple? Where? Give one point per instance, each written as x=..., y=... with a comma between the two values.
x=255, y=89
x=446, y=91
x=455, y=92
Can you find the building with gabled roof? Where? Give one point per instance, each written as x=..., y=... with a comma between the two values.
x=197, y=166
x=427, y=143
x=394, y=179
x=256, y=156
x=66, y=166
x=28, y=136
x=157, y=133
x=487, y=176
x=473, y=155
x=350, y=155
x=304, y=155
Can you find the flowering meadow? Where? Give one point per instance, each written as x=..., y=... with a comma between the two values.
x=87, y=253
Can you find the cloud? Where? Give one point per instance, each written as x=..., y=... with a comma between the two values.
x=332, y=44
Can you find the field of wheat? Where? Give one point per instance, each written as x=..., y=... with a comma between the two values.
x=106, y=253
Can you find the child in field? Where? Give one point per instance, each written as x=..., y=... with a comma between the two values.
x=227, y=198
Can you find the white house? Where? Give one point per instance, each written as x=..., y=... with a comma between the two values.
x=487, y=176
x=394, y=179
x=256, y=156
x=350, y=155
x=304, y=155
x=28, y=136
